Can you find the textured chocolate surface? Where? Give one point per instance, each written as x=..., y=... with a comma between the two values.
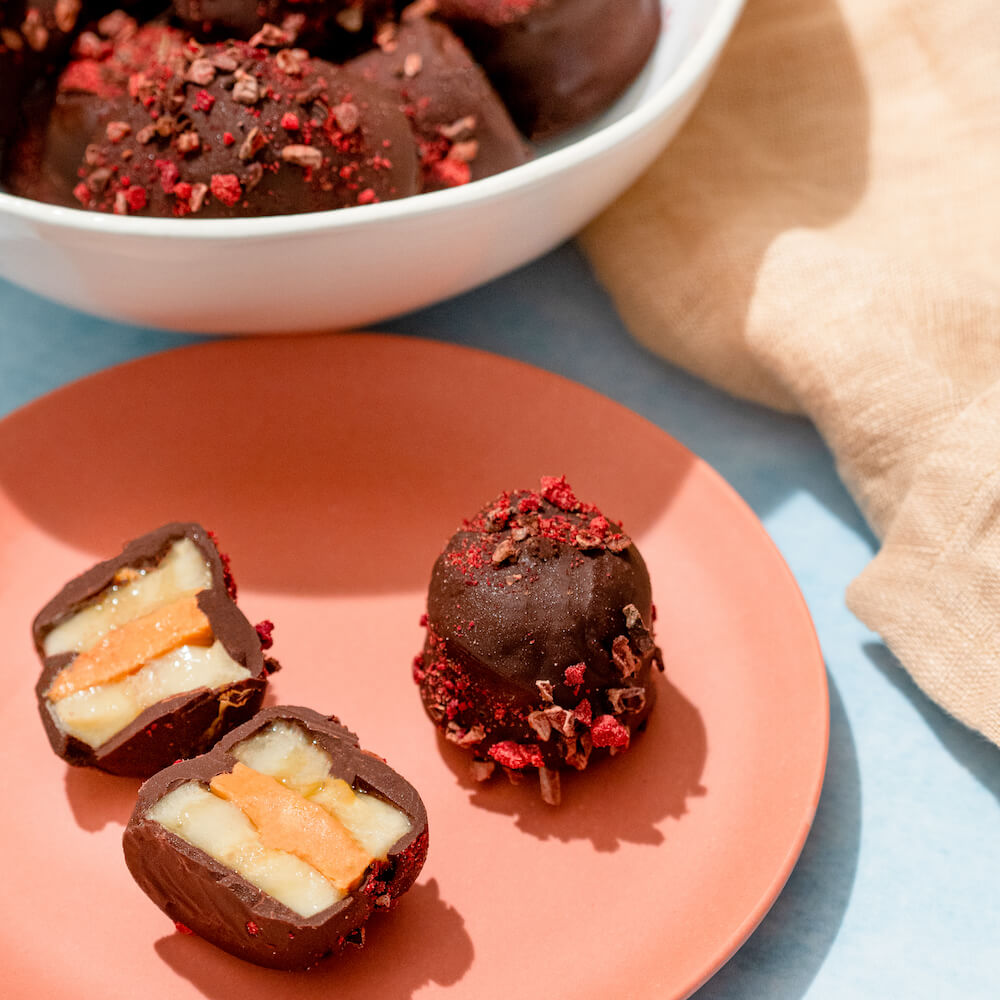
x=34, y=36
x=153, y=123
x=463, y=129
x=175, y=727
x=222, y=907
x=334, y=29
x=307, y=105
x=557, y=63
x=539, y=645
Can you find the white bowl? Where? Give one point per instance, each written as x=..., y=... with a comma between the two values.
x=362, y=265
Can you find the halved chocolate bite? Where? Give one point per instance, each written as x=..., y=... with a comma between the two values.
x=539, y=648
x=463, y=131
x=146, y=657
x=278, y=844
x=151, y=122
x=556, y=63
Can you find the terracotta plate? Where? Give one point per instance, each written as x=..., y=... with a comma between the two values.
x=332, y=470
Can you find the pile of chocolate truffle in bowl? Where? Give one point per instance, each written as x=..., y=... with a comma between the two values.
x=271, y=832
x=233, y=108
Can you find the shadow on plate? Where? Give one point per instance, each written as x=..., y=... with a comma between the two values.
x=619, y=799
x=98, y=799
x=783, y=955
x=422, y=941
x=325, y=465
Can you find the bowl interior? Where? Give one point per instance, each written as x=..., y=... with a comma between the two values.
x=362, y=265
x=686, y=23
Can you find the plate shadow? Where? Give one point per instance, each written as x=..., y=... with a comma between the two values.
x=326, y=465
x=616, y=800
x=422, y=941
x=784, y=953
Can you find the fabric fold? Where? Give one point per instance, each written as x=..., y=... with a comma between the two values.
x=823, y=237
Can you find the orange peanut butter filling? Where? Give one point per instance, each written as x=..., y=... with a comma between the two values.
x=126, y=649
x=289, y=822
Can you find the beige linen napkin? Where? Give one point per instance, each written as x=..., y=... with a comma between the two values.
x=824, y=237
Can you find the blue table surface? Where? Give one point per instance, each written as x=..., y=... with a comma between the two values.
x=897, y=892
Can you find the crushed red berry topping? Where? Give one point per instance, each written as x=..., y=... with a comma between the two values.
x=136, y=198
x=227, y=188
x=265, y=630
x=557, y=491
x=516, y=755
x=450, y=173
x=607, y=731
x=169, y=175
x=227, y=571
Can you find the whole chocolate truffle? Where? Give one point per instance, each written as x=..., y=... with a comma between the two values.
x=539, y=648
x=278, y=844
x=154, y=123
x=463, y=130
x=556, y=63
x=146, y=657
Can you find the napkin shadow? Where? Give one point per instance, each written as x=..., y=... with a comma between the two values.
x=783, y=955
x=973, y=751
x=422, y=941
x=98, y=799
x=615, y=800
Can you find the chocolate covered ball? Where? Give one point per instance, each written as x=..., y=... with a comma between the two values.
x=463, y=130
x=151, y=122
x=539, y=649
x=557, y=63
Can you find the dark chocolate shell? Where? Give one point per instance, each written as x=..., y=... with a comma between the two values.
x=179, y=726
x=221, y=906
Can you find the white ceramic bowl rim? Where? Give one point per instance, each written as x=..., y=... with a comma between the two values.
x=691, y=66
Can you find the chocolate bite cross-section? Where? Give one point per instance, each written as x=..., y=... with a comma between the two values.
x=539, y=647
x=147, y=658
x=278, y=844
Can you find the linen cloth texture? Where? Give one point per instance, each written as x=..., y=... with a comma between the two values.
x=823, y=237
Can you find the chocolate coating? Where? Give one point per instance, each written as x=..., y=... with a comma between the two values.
x=220, y=905
x=158, y=125
x=463, y=130
x=539, y=646
x=175, y=727
x=557, y=63
x=34, y=37
x=333, y=28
